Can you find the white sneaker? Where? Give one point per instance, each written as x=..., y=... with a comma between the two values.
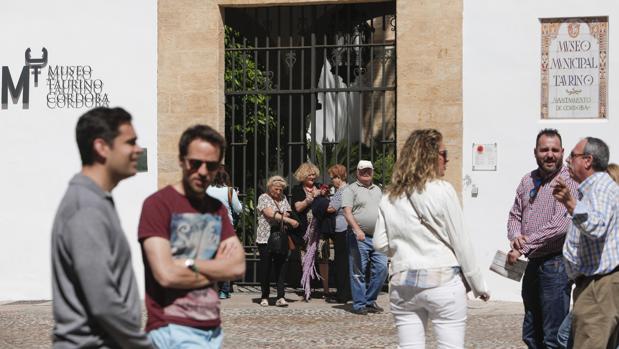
x=264, y=302
x=281, y=303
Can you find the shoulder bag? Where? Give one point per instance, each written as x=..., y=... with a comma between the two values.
x=425, y=223
x=279, y=241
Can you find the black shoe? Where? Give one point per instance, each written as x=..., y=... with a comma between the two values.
x=331, y=300
x=360, y=311
x=374, y=308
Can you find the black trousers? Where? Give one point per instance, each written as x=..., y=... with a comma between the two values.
x=342, y=273
x=272, y=261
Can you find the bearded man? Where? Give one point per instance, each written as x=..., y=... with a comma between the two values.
x=536, y=228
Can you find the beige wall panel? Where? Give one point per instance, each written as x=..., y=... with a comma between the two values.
x=190, y=85
x=429, y=65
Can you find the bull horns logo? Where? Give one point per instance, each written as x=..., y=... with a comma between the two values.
x=36, y=64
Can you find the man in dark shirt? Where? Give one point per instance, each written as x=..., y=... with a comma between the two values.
x=96, y=302
x=188, y=244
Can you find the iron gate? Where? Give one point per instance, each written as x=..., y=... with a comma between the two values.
x=307, y=83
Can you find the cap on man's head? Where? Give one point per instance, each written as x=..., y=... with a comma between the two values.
x=364, y=164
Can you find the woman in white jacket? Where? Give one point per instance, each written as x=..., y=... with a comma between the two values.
x=420, y=227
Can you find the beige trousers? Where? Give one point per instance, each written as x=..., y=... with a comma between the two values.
x=596, y=312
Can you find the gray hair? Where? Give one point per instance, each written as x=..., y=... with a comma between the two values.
x=599, y=153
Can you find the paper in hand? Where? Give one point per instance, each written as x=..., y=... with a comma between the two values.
x=500, y=266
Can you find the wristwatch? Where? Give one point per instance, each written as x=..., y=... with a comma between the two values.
x=191, y=264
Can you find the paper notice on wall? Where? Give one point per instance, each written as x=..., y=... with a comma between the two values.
x=484, y=157
x=511, y=271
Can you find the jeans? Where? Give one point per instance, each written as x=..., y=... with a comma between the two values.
x=360, y=253
x=224, y=286
x=177, y=336
x=445, y=306
x=564, y=336
x=276, y=261
x=546, y=297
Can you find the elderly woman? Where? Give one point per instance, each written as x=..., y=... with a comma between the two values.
x=273, y=209
x=420, y=227
x=319, y=233
x=338, y=175
x=303, y=195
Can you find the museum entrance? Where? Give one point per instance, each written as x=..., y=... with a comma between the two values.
x=306, y=83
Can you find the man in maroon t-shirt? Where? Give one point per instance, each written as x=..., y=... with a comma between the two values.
x=188, y=243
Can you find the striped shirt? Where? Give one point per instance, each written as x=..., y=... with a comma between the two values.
x=538, y=216
x=592, y=243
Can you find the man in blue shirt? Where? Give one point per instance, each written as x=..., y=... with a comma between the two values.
x=591, y=248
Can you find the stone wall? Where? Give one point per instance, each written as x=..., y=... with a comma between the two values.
x=429, y=73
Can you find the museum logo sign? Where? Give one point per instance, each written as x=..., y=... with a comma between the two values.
x=66, y=86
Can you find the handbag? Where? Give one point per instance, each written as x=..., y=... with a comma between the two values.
x=279, y=241
x=425, y=223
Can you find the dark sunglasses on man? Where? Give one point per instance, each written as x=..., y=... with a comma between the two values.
x=195, y=165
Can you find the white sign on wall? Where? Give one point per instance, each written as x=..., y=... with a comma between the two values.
x=484, y=157
x=574, y=67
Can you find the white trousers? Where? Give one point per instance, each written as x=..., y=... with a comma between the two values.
x=445, y=306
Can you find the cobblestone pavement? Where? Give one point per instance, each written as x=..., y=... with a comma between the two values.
x=315, y=324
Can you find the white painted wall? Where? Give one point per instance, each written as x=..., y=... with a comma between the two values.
x=501, y=88
x=38, y=153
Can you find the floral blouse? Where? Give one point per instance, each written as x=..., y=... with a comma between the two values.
x=264, y=228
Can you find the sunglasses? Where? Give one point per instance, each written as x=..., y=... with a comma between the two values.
x=443, y=153
x=195, y=165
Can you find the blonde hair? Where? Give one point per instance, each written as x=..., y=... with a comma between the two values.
x=304, y=170
x=613, y=172
x=417, y=163
x=276, y=180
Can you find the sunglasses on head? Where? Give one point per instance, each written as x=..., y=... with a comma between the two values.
x=195, y=165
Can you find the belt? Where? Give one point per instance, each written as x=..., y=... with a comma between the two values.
x=546, y=256
x=582, y=279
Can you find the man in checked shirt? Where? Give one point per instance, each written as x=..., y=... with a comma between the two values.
x=591, y=247
x=536, y=228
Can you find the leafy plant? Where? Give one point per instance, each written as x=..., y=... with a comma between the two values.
x=383, y=167
x=243, y=73
x=246, y=224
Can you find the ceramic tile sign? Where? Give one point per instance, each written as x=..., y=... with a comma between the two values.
x=484, y=157
x=574, y=67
